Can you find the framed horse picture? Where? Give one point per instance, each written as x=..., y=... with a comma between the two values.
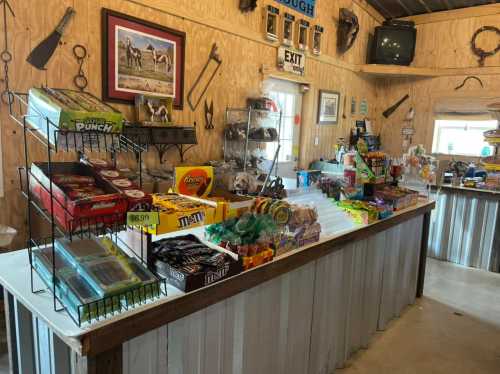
x=141, y=58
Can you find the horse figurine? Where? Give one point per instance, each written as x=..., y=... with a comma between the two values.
x=160, y=112
x=159, y=58
x=134, y=56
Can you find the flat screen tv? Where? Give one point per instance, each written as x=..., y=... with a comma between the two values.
x=393, y=45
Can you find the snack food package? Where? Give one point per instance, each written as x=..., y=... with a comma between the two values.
x=194, y=181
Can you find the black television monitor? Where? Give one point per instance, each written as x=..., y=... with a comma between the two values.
x=393, y=45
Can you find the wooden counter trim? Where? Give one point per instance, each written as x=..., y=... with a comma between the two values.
x=114, y=334
x=471, y=192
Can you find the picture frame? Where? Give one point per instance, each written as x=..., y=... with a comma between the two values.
x=328, y=107
x=153, y=110
x=141, y=58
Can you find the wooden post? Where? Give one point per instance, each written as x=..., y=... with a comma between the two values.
x=423, y=254
x=109, y=362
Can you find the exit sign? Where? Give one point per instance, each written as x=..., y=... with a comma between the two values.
x=291, y=61
x=306, y=7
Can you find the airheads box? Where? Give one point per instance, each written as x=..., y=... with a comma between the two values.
x=196, y=181
x=72, y=111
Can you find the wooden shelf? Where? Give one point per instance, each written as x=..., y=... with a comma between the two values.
x=396, y=71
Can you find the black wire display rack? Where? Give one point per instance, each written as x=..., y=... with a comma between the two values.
x=56, y=140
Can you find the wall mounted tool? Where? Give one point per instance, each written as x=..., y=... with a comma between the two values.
x=44, y=51
x=209, y=115
x=467, y=79
x=214, y=56
x=389, y=112
x=481, y=53
x=6, y=55
x=80, y=80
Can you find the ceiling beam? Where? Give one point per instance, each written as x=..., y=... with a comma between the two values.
x=426, y=7
x=448, y=15
x=370, y=10
x=382, y=9
x=447, y=4
x=407, y=10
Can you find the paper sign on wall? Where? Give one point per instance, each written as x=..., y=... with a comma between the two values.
x=291, y=60
x=306, y=7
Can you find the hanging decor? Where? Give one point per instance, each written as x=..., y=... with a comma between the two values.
x=288, y=22
x=347, y=31
x=6, y=55
x=272, y=14
x=303, y=29
x=470, y=77
x=316, y=39
x=140, y=57
x=481, y=53
x=248, y=5
x=44, y=51
x=306, y=7
x=80, y=80
x=328, y=107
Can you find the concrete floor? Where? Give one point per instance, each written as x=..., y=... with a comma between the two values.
x=455, y=329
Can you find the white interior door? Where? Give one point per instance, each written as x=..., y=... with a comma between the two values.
x=288, y=97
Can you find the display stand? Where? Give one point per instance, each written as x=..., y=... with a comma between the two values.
x=80, y=142
x=248, y=119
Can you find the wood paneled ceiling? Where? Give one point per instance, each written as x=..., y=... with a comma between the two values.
x=403, y=8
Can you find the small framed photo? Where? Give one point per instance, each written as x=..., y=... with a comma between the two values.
x=288, y=22
x=328, y=107
x=140, y=57
x=153, y=110
x=272, y=14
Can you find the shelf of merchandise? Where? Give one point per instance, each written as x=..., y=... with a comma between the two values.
x=80, y=142
x=250, y=113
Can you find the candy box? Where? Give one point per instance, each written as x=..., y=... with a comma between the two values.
x=190, y=281
x=232, y=205
x=183, y=212
x=72, y=212
x=73, y=111
x=397, y=197
x=194, y=181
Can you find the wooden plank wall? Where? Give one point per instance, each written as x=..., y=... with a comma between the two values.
x=242, y=48
x=439, y=45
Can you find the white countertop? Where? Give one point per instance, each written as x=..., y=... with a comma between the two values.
x=15, y=268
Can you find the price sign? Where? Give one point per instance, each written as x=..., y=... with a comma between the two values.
x=143, y=218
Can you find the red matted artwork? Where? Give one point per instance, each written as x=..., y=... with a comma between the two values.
x=141, y=58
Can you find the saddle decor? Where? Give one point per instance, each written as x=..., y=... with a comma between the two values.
x=347, y=31
x=141, y=58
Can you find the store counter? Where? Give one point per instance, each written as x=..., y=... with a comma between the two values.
x=465, y=227
x=305, y=312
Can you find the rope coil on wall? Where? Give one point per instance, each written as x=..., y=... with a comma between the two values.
x=481, y=53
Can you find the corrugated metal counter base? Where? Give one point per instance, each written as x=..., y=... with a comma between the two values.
x=307, y=321
x=463, y=229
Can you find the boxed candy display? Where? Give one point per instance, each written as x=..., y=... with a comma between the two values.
x=397, y=197
x=72, y=111
x=188, y=263
x=138, y=200
x=183, y=212
x=81, y=196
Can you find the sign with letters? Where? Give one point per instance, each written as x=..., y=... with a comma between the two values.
x=306, y=7
x=291, y=61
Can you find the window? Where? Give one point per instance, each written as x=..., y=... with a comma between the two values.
x=462, y=137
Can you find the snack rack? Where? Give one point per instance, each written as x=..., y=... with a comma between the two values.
x=248, y=119
x=493, y=138
x=80, y=142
